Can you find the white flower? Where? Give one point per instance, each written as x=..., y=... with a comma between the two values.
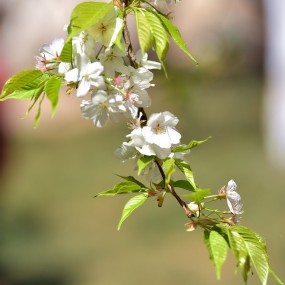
x=84, y=44
x=49, y=54
x=134, y=98
x=112, y=60
x=233, y=198
x=144, y=62
x=160, y=130
x=107, y=30
x=100, y=108
x=126, y=151
x=140, y=77
x=87, y=74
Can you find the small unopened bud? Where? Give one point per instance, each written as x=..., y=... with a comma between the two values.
x=160, y=198
x=194, y=208
x=191, y=226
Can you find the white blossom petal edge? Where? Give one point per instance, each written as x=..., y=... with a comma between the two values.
x=233, y=198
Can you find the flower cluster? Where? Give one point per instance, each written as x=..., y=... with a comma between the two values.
x=156, y=138
x=102, y=70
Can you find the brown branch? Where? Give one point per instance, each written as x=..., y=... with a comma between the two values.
x=182, y=203
x=132, y=59
x=128, y=44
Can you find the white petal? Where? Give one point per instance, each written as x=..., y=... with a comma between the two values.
x=232, y=186
x=83, y=87
x=174, y=136
x=72, y=75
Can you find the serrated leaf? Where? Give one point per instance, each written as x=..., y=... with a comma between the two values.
x=185, y=168
x=256, y=249
x=131, y=205
x=198, y=195
x=219, y=249
x=159, y=35
x=240, y=253
x=83, y=16
x=87, y=14
x=132, y=179
x=143, y=162
x=143, y=30
x=52, y=88
x=66, y=52
x=175, y=35
x=183, y=184
x=169, y=168
x=124, y=187
x=191, y=145
x=38, y=115
x=19, y=81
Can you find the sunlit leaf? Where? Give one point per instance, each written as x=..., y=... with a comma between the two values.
x=185, y=168
x=143, y=162
x=143, y=30
x=131, y=205
x=87, y=14
x=132, y=179
x=183, y=184
x=52, y=88
x=159, y=35
x=198, y=195
x=175, y=34
x=26, y=80
x=219, y=248
x=169, y=169
x=83, y=16
x=256, y=249
x=124, y=187
x=191, y=145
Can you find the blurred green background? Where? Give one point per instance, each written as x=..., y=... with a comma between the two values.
x=52, y=230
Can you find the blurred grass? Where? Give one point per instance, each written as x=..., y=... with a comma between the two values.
x=54, y=232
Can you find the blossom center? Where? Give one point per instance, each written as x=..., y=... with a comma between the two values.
x=102, y=28
x=158, y=129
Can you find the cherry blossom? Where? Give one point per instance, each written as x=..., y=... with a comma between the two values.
x=87, y=74
x=233, y=198
x=101, y=107
x=107, y=29
x=49, y=55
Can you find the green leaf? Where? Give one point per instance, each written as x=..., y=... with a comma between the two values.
x=52, y=88
x=240, y=253
x=159, y=35
x=218, y=250
x=124, y=187
x=38, y=115
x=143, y=30
x=256, y=249
x=183, y=184
x=66, y=53
x=198, y=195
x=87, y=14
x=83, y=16
x=169, y=168
x=175, y=34
x=131, y=205
x=143, y=162
x=185, y=168
x=191, y=145
x=132, y=179
x=22, y=81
